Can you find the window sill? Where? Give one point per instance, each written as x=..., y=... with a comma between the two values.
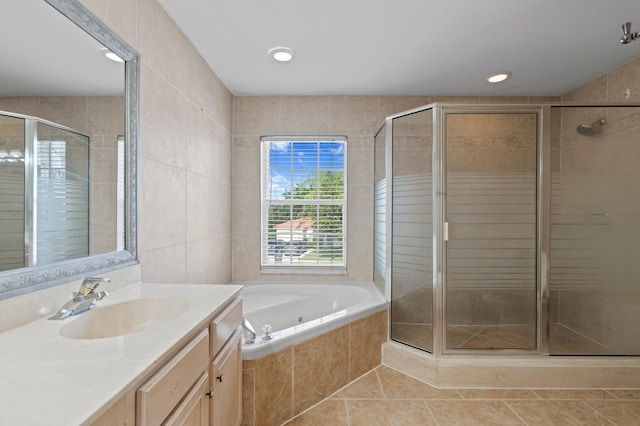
x=304, y=270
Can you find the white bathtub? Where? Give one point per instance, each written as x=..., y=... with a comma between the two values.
x=297, y=312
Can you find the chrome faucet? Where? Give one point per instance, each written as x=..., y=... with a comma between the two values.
x=249, y=331
x=84, y=299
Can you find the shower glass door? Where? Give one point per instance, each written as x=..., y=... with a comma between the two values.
x=12, y=193
x=412, y=234
x=595, y=234
x=490, y=284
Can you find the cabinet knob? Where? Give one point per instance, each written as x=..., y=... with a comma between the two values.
x=219, y=378
x=210, y=393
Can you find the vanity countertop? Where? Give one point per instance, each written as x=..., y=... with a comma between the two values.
x=53, y=380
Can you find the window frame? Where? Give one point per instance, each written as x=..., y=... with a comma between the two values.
x=265, y=203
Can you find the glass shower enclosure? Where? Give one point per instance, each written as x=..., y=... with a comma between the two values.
x=510, y=228
x=44, y=192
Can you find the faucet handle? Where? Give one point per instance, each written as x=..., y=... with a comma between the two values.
x=89, y=285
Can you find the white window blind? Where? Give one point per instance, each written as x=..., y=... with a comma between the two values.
x=303, y=202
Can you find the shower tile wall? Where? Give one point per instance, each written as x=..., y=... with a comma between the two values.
x=597, y=311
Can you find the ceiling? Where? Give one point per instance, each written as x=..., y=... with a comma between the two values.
x=408, y=47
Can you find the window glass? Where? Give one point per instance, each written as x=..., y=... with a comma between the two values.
x=303, y=202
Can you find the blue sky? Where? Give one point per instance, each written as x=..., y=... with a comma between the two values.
x=305, y=158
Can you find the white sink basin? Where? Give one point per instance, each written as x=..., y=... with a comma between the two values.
x=123, y=318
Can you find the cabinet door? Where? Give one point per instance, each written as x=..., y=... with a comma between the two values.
x=194, y=408
x=158, y=397
x=226, y=377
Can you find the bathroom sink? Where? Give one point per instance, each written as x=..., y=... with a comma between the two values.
x=123, y=318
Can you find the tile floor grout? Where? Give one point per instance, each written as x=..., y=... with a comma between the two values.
x=384, y=395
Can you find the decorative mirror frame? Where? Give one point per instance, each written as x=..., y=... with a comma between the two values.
x=25, y=280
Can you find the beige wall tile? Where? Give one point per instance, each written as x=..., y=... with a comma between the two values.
x=593, y=91
x=354, y=115
x=162, y=45
x=222, y=104
x=366, y=338
x=246, y=161
x=209, y=261
x=304, y=115
x=323, y=367
x=622, y=78
x=205, y=217
x=256, y=116
x=274, y=388
x=248, y=393
x=200, y=82
x=163, y=125
x=162, y=205
x=164, y=265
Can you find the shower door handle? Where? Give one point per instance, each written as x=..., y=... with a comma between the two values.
x=445, y=231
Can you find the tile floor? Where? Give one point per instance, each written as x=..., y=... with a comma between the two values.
x=564, y=341
x=386, y=397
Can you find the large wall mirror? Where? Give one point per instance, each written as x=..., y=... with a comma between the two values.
x=68, y=146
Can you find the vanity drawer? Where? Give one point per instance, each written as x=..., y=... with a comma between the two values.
x=165, y=389
x=224, y=325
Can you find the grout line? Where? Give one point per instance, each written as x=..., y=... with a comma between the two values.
x=514, y=411
x=433, y=417
x=380, y=383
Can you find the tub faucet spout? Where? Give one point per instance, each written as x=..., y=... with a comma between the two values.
x=249, y=331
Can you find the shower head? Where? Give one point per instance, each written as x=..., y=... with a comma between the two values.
x=591, y=129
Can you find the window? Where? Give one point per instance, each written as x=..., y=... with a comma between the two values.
x=304, y=202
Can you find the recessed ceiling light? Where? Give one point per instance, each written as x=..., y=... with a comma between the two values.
x=110, y=55
x=282, y=54
x=497, y=78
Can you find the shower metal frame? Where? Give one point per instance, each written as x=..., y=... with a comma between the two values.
x=543, y=213
x=30, y=180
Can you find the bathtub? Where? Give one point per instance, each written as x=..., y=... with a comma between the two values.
x=297, y=312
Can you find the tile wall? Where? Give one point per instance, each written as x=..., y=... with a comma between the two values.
x=284, y=384
x=358, y=118
x=186, y=112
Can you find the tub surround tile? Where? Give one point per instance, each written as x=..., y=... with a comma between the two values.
x=284, y=384
x=324, y=363
x=367, y=336
x=248, y=393
x=274, y=388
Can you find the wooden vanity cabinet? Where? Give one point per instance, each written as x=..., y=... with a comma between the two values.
x=226, y=383
x=202, y=383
